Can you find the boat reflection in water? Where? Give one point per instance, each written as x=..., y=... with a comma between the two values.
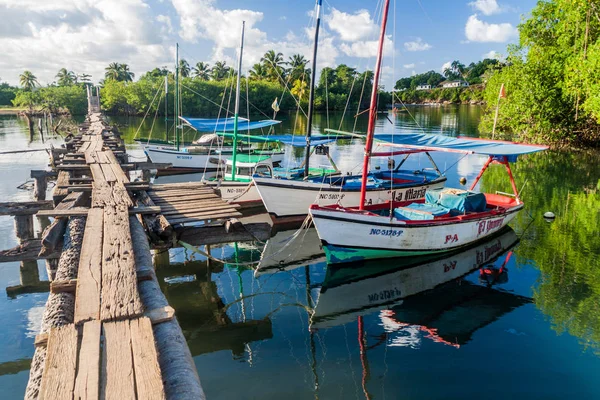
x=423, y=298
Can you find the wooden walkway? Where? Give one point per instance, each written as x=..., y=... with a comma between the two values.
x=109, y=350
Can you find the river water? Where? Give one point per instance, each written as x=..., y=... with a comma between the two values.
x=515, y=317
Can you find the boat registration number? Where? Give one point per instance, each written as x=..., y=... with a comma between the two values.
x=386, y=232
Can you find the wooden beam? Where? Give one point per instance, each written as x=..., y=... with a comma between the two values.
x=148, y=380
x=67, y=286
x=117, y=376
x=204, y=217
x=87, y=382
x=89, y=282
x=120, y=296
x=28, y=250
x=162, y=314
x=24, y=207
x=58, y=379
x=83, y=211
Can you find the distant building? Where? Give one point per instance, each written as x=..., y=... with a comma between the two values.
x=424, y=87
x=451, y=84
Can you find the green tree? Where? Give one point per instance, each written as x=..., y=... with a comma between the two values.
x=184, y=68
x=552, y=77
x=202, y=71
x=28, y=80
x=258, y=72
x=297, y=68
x=66, y=77
x=118, y=72
x=220, y=71
x=273, y=63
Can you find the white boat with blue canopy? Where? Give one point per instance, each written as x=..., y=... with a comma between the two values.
x=211, y=150
x=445, y=220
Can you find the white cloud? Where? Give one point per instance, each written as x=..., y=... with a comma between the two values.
x=81, y=35
x=493, y=54
x=200, y=19
x=417, y=45
x=409, y=66
x=487, y=7
x=480, y=31
x=352, y=27
x=446, y=66
x=166, y=20
x=367, y=49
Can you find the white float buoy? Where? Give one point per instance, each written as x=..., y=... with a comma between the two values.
x=549, y=215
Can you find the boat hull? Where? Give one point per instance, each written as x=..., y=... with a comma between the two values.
x=243, y=193
x=287, y=198
x=348, y=236
x=212, y=161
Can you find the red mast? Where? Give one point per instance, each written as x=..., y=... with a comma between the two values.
x=373, y=107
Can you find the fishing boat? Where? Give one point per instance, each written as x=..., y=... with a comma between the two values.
x=210, y=152
x=361, y=288
x=287, y=198
x=447, y=219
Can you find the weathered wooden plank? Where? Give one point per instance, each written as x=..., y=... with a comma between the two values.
x=97, y=173
x=120, y=296
x=109, y=175
x=192, y=211
x=101, y=157
x=28, y=250
x=89, y=278
x=84, y=147
x=120, y=195
x=203, y=190
x=157, y=199
x=117, y=376
x=24, y=207
x=168, y=186
x=61, y=286
x=102, y=194
x=88, y=187
x=59, y=194
x=83, y=211
x=58, y=380
x=119, y=173
x=159, y=315
x=148, y=380
x=87, y=382
x=201, y=218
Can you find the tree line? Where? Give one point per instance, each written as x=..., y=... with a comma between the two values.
x=551, y=77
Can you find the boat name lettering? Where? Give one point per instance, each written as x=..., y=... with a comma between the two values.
x=488, y=252
x=450, y=266
x=412, y=194
x=486, y=226
x=184, y=157
x=386, y=232
x=396, y=196
x=451, y=238
x=238, y=190
x=387, y=294
x=331, y=196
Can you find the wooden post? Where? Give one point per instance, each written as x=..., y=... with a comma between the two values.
x=24, y=227
x=28, y=273
x=39, y=188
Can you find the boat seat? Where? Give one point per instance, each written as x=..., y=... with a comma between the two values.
x=420, y=211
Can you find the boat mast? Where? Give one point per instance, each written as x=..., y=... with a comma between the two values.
x=176, y=119
x=312, y=89
x=373, y=107
x=167, y=105
x=237, y=106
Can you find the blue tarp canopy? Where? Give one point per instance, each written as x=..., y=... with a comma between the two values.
x=226, y=124
x=494, y=148
x=291, y=140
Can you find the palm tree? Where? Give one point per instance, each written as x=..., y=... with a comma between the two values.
x=297, y=69
x=28, y=80
x=118, y=72
x=84, y=78
x=125, y=74
x=258, y=72
x=202, y=71
x=455, y=71
x=273, y=63
x=220, y=71
x=66, y=77
x=184, y=68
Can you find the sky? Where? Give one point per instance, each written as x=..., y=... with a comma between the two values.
x=86, y=35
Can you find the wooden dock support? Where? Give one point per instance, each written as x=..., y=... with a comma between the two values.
x=24, y=227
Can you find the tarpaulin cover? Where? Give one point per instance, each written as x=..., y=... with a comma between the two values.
x=226, y=124
x=457, y=200
x=419, y=211
x=291, y=140
x=494, y=148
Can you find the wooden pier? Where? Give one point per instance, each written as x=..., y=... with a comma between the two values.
x=107, y=330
